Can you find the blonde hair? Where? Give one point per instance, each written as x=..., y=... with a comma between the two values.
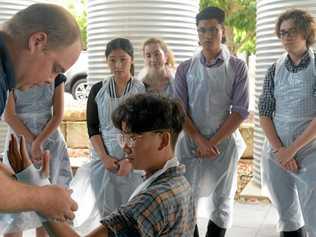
x=170, y=60
x=60, y=26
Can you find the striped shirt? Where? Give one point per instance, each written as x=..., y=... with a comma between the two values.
x=93, y=121
x=164, y=208
x=112, y=88
x=266, y=105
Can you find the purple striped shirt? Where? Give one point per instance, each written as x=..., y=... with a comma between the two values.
x=240, y=91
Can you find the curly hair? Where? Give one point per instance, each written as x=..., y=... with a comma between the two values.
x=303, y=21
x=148, y=112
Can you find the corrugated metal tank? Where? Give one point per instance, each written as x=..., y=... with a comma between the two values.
x=7, y=9
x=171, y=20
x=269, y=49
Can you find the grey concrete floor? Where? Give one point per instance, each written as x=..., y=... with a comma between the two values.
x=250, y=220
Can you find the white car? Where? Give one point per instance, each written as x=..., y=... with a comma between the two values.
x=76, y=83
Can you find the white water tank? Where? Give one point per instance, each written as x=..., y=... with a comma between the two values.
x=8, y=7
x=171, y=20
x=268, y=49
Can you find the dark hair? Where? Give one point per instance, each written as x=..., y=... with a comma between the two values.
x=303, y=21
x=147, y=112
x=120, y=43
x=211, y=13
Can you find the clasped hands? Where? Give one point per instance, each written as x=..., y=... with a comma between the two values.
x=285, y=157
x=206, y=148
x=37, y=152
x=119, y=167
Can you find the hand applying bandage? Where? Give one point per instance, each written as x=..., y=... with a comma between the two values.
x=53, y=201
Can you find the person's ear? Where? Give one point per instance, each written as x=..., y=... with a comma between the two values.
x=223, y=32
x=165, y=140
x=223, y=35
x=37, y=42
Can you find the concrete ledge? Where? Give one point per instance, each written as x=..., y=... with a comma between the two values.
x=75, y=114
x=75, y=132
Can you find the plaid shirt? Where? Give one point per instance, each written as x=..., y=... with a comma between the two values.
x=165, y=208
x=266, y=104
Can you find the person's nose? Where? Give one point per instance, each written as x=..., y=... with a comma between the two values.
x=209, y=35
x=153, y=59
x=118, y=65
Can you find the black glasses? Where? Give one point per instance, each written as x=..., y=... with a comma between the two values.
x=211, y=30
x=288, y=33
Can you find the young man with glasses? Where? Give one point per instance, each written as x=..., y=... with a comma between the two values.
x=163, y=204
x=213, y=88
x=287, y=110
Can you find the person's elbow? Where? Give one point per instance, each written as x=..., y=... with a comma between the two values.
x=8, y=116
x=242, y=112
x=58, y=117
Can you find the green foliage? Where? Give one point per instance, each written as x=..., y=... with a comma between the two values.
x=79, y=9
x=240, y=23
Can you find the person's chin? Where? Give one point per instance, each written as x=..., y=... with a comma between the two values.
x=157, y=66
x=210, y=45
x=289, y=45
x=151, y=68
x=118, y=73
x=290, y=49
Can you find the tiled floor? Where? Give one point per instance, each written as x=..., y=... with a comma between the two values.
x=250, y=220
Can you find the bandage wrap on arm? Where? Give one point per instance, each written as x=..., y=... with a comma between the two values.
x=32, y=175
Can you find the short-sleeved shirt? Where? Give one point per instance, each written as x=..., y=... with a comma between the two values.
x=240, y=91
x=61, y=78
x=7, y=79
x=164, y=208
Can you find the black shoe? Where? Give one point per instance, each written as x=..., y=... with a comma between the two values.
x=214, y=231
x=196, y=231
x=297, y=233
